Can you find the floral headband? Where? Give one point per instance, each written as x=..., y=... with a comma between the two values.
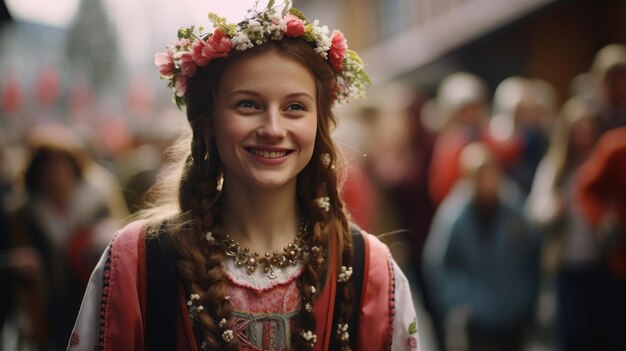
x=195, y=49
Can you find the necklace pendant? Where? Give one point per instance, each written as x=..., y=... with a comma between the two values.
x=272, y=274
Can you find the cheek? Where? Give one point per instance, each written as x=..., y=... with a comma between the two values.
x=307, y=136
x=228, y=135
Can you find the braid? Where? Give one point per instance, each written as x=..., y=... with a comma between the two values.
x=321, y=170
x=202, y=270
x=309, y=286
x=345, y=289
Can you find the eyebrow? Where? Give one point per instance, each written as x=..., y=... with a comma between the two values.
x=254, y=93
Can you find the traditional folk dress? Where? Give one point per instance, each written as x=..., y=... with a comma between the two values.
x=113, y=312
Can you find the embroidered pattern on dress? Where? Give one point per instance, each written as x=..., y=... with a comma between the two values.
x=106, y=298
x=263, y=331
x=74, y=340
x=265, y=321
x=411, y=341
x=392, y=299
x=258, y=280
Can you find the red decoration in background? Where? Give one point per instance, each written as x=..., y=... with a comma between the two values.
x=11, y=96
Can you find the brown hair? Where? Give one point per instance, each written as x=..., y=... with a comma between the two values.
x=199, y=211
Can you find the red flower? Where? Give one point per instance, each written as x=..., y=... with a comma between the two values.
x=295, y=26
x=217, y=45
x=338, y=50
x=197, y=53
x=220, y=44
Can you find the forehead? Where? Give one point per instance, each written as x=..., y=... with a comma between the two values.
x=268, y=72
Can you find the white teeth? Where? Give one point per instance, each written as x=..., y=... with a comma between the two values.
x=269, y=154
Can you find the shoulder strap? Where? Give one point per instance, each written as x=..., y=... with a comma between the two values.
x=161, y=294
x=358, y=269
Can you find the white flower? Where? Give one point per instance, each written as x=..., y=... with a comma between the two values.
x=345, y=274
x=324, y=203
x=342, y=332
x=308, y=307
x=209, y=237
x=241, y=41
x=228, y=335
x=222, y=323
x=254, y=25
x=309, y=336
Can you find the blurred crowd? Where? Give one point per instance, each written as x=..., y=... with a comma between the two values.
x=71, y=174
x=512, y=205
x=508, y=211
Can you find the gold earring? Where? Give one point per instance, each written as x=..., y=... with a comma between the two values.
x=220, y=182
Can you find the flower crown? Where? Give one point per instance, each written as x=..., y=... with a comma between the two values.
x=195, y=49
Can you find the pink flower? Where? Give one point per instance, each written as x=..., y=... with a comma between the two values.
x=187, y=64
x=165, y=62
x=411, y=342
x=180, y=85
x=217, y=45
x=197, y=50
x=220, y=44
x=295, y=26
x=338, y=50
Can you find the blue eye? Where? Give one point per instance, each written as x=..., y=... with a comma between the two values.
x=247, y=104
x=296, y=107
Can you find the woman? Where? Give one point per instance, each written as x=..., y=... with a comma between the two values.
x=259, y=174
x=572, y=252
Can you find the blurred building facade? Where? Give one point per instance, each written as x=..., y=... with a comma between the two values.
x=423, y=41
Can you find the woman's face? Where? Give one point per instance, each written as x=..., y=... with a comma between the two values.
x=265, y=120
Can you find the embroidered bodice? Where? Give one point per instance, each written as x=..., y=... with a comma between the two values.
x=265, y=308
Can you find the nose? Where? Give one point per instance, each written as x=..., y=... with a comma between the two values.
x=271, y=126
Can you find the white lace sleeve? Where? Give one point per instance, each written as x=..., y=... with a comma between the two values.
x=405, y=336
x=85, y=335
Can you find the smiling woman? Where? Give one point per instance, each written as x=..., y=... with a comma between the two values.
x=259, y=253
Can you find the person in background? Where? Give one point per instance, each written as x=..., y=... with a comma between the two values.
x=518, y=132
x=490, y=266
x=600, y=191
x=609, y=71
x=57, y=220
x=571, y=247
x=20, y=272
x=461, y=107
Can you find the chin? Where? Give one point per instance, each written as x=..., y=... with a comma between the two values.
x=270, y=184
